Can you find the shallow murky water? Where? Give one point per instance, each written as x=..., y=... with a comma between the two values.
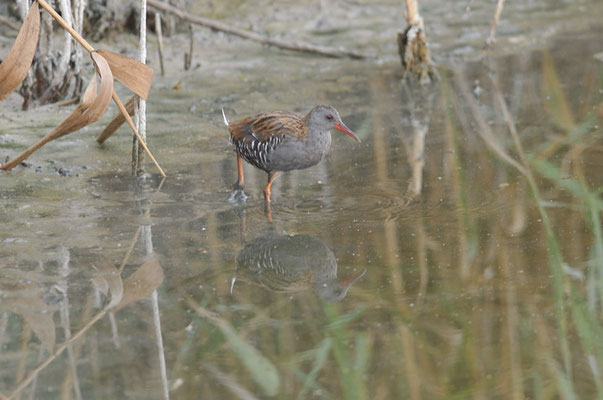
x=464, y=264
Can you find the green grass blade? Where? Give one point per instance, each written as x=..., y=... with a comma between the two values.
x=262, y=370
x=321, y=353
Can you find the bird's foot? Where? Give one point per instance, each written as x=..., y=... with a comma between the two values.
x=237, y=196
x=238, y=185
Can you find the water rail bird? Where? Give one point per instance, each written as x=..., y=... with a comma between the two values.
x=292, y=263
x=283, y=141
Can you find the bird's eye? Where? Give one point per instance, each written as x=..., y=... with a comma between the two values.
x=329, y=116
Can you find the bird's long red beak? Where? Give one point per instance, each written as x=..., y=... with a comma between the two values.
x=341, y=127
x=352, y=279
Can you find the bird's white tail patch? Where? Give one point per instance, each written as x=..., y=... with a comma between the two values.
x=225, y=119
x=232, y=282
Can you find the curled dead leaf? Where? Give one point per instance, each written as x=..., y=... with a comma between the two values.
x=16, y=64
x=142, y=282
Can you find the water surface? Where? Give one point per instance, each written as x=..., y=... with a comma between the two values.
x=482, y=255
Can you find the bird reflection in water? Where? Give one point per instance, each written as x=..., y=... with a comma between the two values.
x=291, y=263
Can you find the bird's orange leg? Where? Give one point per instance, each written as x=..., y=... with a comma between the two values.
x=237, y=194
x=241, y=180
x=272, y=175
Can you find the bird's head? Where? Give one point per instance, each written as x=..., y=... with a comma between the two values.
x=333, y=290
x=326, y=118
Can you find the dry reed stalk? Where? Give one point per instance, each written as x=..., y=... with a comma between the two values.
x=9, y=23
x=219, y=26
x=499, y=7
x=412, y=46
x=58, y=351
x=117, y=121
x=412, y=15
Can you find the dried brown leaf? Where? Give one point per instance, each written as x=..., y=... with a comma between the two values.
x=133, y=74
x=107, y=279
x=142, y=282
x=16, y=64
x=89, y=94
x=29, y=304
x=93, y=106
x=116, y=122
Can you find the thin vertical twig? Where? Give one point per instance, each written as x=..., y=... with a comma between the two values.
x=188, y=57
x=78, y=24
x=59, y=75
x=147, y=237
x=160, y=350
x=64, y=257
x=124, y=112
x=140, y=115
x=159, y=41
x=114, y=331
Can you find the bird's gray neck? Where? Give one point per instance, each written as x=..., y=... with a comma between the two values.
x=320, y=141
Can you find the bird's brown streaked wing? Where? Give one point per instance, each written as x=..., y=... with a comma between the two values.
x=255, y=138
x=264, y=127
